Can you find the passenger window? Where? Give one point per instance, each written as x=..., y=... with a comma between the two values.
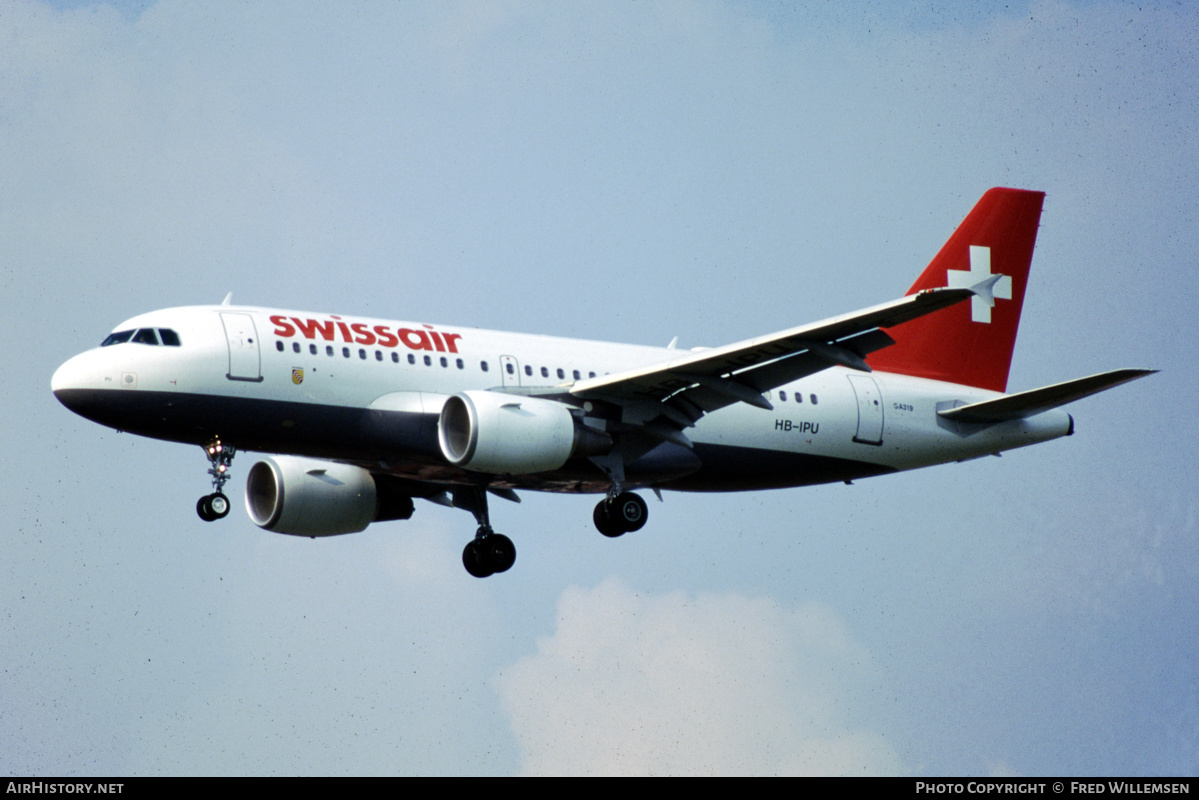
x=411, y=358
x=328, y=349
x=812, y=397
x=561, y=373
x=146, y=336
x=782, y=395
x=528, y=370
x=295, y=347
x=119, y=337
x=395, y=357
x=362, y=353
x=483, y=365
x=444, y=362
x=345, y=352
x=576, y=375
x=428, y=361
x=278, y=346
x=511, y=370
x=169, y=337
x=590, y=374
x=798, y=397
x=312, y=349
x=545, y=373
x=378, y=355
x=459, y=363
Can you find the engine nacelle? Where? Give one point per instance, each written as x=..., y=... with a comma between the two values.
x=307, y=497
x=511, y=435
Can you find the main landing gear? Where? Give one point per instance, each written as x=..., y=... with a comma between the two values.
x=489, y=552
x=216, y=505
x=620, y=513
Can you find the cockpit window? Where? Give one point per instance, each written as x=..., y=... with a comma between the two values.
x=152, y=336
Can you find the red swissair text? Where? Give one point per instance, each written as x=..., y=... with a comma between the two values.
x=334, y=329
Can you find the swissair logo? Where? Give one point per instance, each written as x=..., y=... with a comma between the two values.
x=986, y=286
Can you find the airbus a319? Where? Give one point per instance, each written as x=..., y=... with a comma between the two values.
x=362, y=416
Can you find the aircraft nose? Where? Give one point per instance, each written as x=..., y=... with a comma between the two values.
x=74, y=384
x=67, y=376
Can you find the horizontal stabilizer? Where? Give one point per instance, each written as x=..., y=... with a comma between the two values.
x=1034, y=401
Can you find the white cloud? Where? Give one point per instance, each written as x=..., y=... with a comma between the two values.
x=631, y=683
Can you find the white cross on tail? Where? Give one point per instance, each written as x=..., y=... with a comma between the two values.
x=985, y=285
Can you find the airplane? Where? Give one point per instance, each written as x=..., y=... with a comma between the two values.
x=362, y=416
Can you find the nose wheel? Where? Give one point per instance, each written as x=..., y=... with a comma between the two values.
x=216, y=506
x=213, y=506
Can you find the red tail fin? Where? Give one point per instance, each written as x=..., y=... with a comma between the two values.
x=971, y=343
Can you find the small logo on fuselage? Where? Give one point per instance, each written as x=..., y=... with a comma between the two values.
x=297, y=375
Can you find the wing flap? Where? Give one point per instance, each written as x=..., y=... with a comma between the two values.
x=1034, y=401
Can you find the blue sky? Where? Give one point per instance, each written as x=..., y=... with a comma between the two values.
x=616, y=171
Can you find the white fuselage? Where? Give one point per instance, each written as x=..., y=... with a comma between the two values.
x=366, y=391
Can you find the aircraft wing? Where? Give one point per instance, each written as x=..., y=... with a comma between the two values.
x=684, y=389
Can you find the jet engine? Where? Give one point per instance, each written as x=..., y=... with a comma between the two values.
x=307, y=497
x=511, y=434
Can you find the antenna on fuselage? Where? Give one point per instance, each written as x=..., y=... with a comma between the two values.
x=228, y=299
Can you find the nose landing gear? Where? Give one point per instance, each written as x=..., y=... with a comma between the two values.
x=216, y=505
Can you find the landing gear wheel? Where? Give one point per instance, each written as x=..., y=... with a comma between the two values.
x=218, y=503
x=604, y=522
x=474, y=558
x=212, y=507
x=625, y=513
x=630, y=511
x=489, y=554
x=500, y=551
x=203, y=510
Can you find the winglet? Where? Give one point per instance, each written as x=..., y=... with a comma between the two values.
x=986, y=289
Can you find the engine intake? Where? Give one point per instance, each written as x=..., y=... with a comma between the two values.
x=511, y=435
